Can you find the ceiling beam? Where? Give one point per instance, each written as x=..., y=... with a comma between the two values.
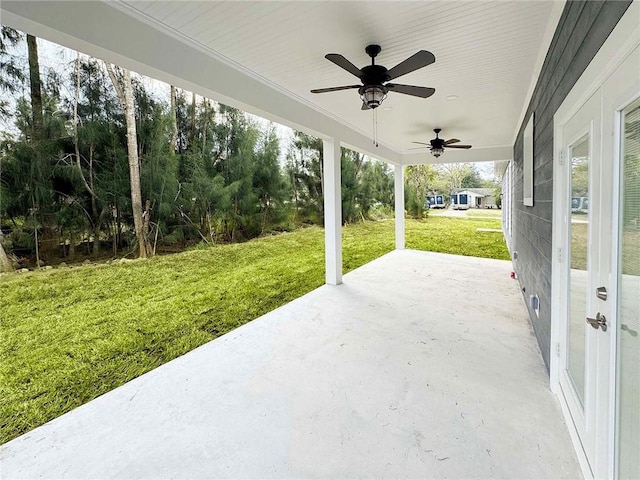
x=123, y=37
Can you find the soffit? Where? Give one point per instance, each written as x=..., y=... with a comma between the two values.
x=485, y=55
x=264, y=57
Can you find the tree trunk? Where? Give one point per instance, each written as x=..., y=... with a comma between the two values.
x=114, y=227
x=35, y=231
x=97, y=227
x=125, y=93
x=5, y=263
x=146, y=221
x=134, y=163
x=205, y=124
x=174, y=120
x=36, y=88
x=294, y=182
x=119, y=227
x=88, y=185
x=35, y=85
x=193, y=116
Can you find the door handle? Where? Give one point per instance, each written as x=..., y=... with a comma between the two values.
x=599, y=322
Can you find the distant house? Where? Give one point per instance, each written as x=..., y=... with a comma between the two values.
x=436, y=201
x=478, y=197
x=579, y=204
x=460, y=201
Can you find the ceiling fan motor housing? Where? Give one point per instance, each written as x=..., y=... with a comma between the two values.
x=374, y=75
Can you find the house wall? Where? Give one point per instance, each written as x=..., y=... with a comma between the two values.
x=472, y=197
x=581, y=31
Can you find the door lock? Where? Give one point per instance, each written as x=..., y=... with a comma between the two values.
x=601, y=293
x=599, y=322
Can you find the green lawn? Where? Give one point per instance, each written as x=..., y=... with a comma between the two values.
x=458, y=236
x=630, y=247
x=70, y=334
x=485, y=213
x=579, y=240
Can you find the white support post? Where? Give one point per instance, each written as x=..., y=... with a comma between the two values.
x=332, y=211
x=399, y=207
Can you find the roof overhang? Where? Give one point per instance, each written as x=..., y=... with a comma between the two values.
x=98, y=29
x=134, y=35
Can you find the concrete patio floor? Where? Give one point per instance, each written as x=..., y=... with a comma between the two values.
x=421, y=365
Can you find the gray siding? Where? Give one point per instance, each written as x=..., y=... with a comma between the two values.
x=581, y=31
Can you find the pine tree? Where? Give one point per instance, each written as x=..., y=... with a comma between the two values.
x=121, y=78
x=304, y=171
x=268, y=182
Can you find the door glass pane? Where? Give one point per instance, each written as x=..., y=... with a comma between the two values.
x=629, y=306
x=578, y=230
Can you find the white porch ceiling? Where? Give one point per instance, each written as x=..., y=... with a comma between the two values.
x=487, y=54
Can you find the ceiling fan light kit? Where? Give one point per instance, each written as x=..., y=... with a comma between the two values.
x=436, y=152
x=373, y=95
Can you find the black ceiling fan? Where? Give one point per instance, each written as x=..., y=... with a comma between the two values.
x=375, y=78
x=437, y=145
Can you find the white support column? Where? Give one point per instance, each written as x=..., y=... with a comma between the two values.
x=332, y=190
x=399, y=210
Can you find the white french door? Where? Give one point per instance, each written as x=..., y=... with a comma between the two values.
x=621, y=136
x=597, y=273
x=585, y=334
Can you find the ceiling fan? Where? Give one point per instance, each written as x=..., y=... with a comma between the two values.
x=375, y=78
x=437, y=145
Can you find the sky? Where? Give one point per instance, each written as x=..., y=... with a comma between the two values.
x=485, y=169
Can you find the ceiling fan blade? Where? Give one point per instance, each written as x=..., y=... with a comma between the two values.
x=343, y=63
x=414, y=62
x=365, y=106
x=457, y=146
x=423, y=92
x=422, y=143
x=452, y=140
x=334, y=89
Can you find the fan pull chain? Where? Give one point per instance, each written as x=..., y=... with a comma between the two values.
x=375, y=127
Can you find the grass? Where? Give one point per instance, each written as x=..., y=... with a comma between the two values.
x=71, y=334
x=489, y=213
x=630, y=248
x=579, y=241
x=631, y=251
x=458, y=236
